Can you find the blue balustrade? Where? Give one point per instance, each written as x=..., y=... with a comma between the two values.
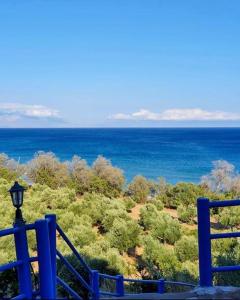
x=206, y=270
x=47, y=255
x=53, y=249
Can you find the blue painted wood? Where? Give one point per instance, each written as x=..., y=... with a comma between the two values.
x=120, y=285
x=224, y=203
x=68, y=289
x=19, y=297
x=47, y=288
x=95, y=285
x=225, y=235
x=106, y=276
x=161, y=286
x=179, y=283
x=204, y=242
x=22, y=254
x=10, y=265
x=8, y=231
x=104, y=293
x=226, y=268
x=53, y=245
x=75, y=252
x=74, y=272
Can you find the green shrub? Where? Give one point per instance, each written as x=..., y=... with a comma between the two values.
x=124, y=235
x=162, y=257
x=148, y=215
x=229, y=217
x=189, y=272
x=129, y=203
x=94, y=206
x=158, y=203
x=187, y=249
x=186, y=214
x=111, y=215
x=165, y=228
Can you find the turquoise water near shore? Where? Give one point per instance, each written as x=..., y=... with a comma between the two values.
x=178, y=154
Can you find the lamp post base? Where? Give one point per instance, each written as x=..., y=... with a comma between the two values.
x=19, y=218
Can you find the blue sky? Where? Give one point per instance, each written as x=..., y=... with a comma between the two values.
x=119, y=63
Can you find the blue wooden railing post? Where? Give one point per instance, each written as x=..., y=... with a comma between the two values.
x=95, y=284
x=161, y=286
x=47, y=287
x=204, y=242
x=120, y=285
x=22, y=254
x=53, y=247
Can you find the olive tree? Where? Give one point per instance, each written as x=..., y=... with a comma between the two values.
x=45, y=168
x=221, y=176
x=80, y=173
x=139, y=189
x=112, y=175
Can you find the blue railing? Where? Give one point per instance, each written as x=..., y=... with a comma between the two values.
x=22, y=264
x=47, y=255
x=205, y=236
x=93, y=284
x=120, y=287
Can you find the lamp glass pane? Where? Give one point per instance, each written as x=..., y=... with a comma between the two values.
x=15, y=198
x=20, y=198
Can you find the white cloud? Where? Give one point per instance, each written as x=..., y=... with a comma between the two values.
x=188, y=114
x=15, y=111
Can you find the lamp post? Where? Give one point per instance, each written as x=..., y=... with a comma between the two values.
x=16, y=192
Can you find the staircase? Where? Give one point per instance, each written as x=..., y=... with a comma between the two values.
x=48, y=255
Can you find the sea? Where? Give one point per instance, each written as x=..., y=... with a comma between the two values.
x=177, y=154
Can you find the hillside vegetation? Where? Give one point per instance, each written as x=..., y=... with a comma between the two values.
x=144, y=229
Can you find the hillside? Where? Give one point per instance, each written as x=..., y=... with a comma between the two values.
x=147, y=230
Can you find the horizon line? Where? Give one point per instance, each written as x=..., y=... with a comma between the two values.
x=130, y=127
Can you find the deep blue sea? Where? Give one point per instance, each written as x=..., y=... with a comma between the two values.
x=182, y=154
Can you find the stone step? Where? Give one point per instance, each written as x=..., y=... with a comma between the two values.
x=198, y=293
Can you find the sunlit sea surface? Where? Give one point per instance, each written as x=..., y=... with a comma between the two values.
x=183, y=154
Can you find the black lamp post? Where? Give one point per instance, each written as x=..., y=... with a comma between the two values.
x=16, y=192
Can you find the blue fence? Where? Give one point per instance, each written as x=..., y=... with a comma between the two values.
x=206, y=270
x=47, y=255
x=23, y=260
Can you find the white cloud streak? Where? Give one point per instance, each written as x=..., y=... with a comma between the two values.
x=188, y=114
x=15, y=111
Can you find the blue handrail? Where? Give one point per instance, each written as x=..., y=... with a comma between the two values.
x=19, y=297
x=113, y=277
x=46, y=257
x=11, y=265
x=74, y=272
x=68, y=288
x=223, y=203
x=75, y=252
x=205, y=236
x=8, y=231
